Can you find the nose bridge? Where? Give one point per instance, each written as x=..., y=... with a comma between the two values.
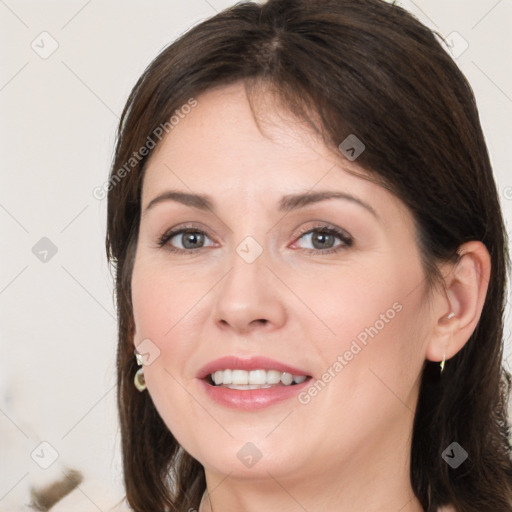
x=248, y=295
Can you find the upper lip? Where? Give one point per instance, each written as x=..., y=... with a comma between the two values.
x=252, y=363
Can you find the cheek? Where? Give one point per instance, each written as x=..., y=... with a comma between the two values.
x=374, y=319
x=160, y=299
x=160, y=323
x=353, y=303
x=157, y=310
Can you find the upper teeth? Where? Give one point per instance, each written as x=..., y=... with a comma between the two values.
x=261, y=377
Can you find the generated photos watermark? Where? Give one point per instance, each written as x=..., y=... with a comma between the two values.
x=100, y=192
x=356, y=346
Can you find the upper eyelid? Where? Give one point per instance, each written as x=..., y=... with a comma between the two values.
x=319, y=225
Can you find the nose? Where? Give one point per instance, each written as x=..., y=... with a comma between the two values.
x=249, y=298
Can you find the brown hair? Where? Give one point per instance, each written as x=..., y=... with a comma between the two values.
x=363, y=67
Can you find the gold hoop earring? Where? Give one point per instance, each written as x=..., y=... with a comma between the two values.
x=139, y=380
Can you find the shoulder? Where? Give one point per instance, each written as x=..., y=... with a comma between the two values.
x=446, y=508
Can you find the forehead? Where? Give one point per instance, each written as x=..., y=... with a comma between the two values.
x=219, y=149
x=223, y=127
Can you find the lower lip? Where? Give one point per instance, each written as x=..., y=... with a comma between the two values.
x=251, y=399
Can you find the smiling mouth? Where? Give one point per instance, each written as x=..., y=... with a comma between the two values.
x=253, y=379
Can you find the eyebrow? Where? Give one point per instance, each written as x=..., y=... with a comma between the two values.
x=286, y=204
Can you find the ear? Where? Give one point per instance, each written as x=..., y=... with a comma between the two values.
x=466, y=287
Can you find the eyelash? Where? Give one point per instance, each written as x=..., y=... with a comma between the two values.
x=328, y=230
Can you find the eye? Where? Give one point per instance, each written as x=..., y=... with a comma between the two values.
x=324, y=237
x=190, y=238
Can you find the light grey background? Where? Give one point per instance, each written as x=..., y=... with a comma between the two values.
x=58, y=117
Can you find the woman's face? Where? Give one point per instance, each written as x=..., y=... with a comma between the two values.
x=256, y=277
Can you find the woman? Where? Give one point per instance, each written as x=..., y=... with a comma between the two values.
x=310, y=267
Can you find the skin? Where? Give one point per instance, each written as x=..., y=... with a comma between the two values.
x=347, y=449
